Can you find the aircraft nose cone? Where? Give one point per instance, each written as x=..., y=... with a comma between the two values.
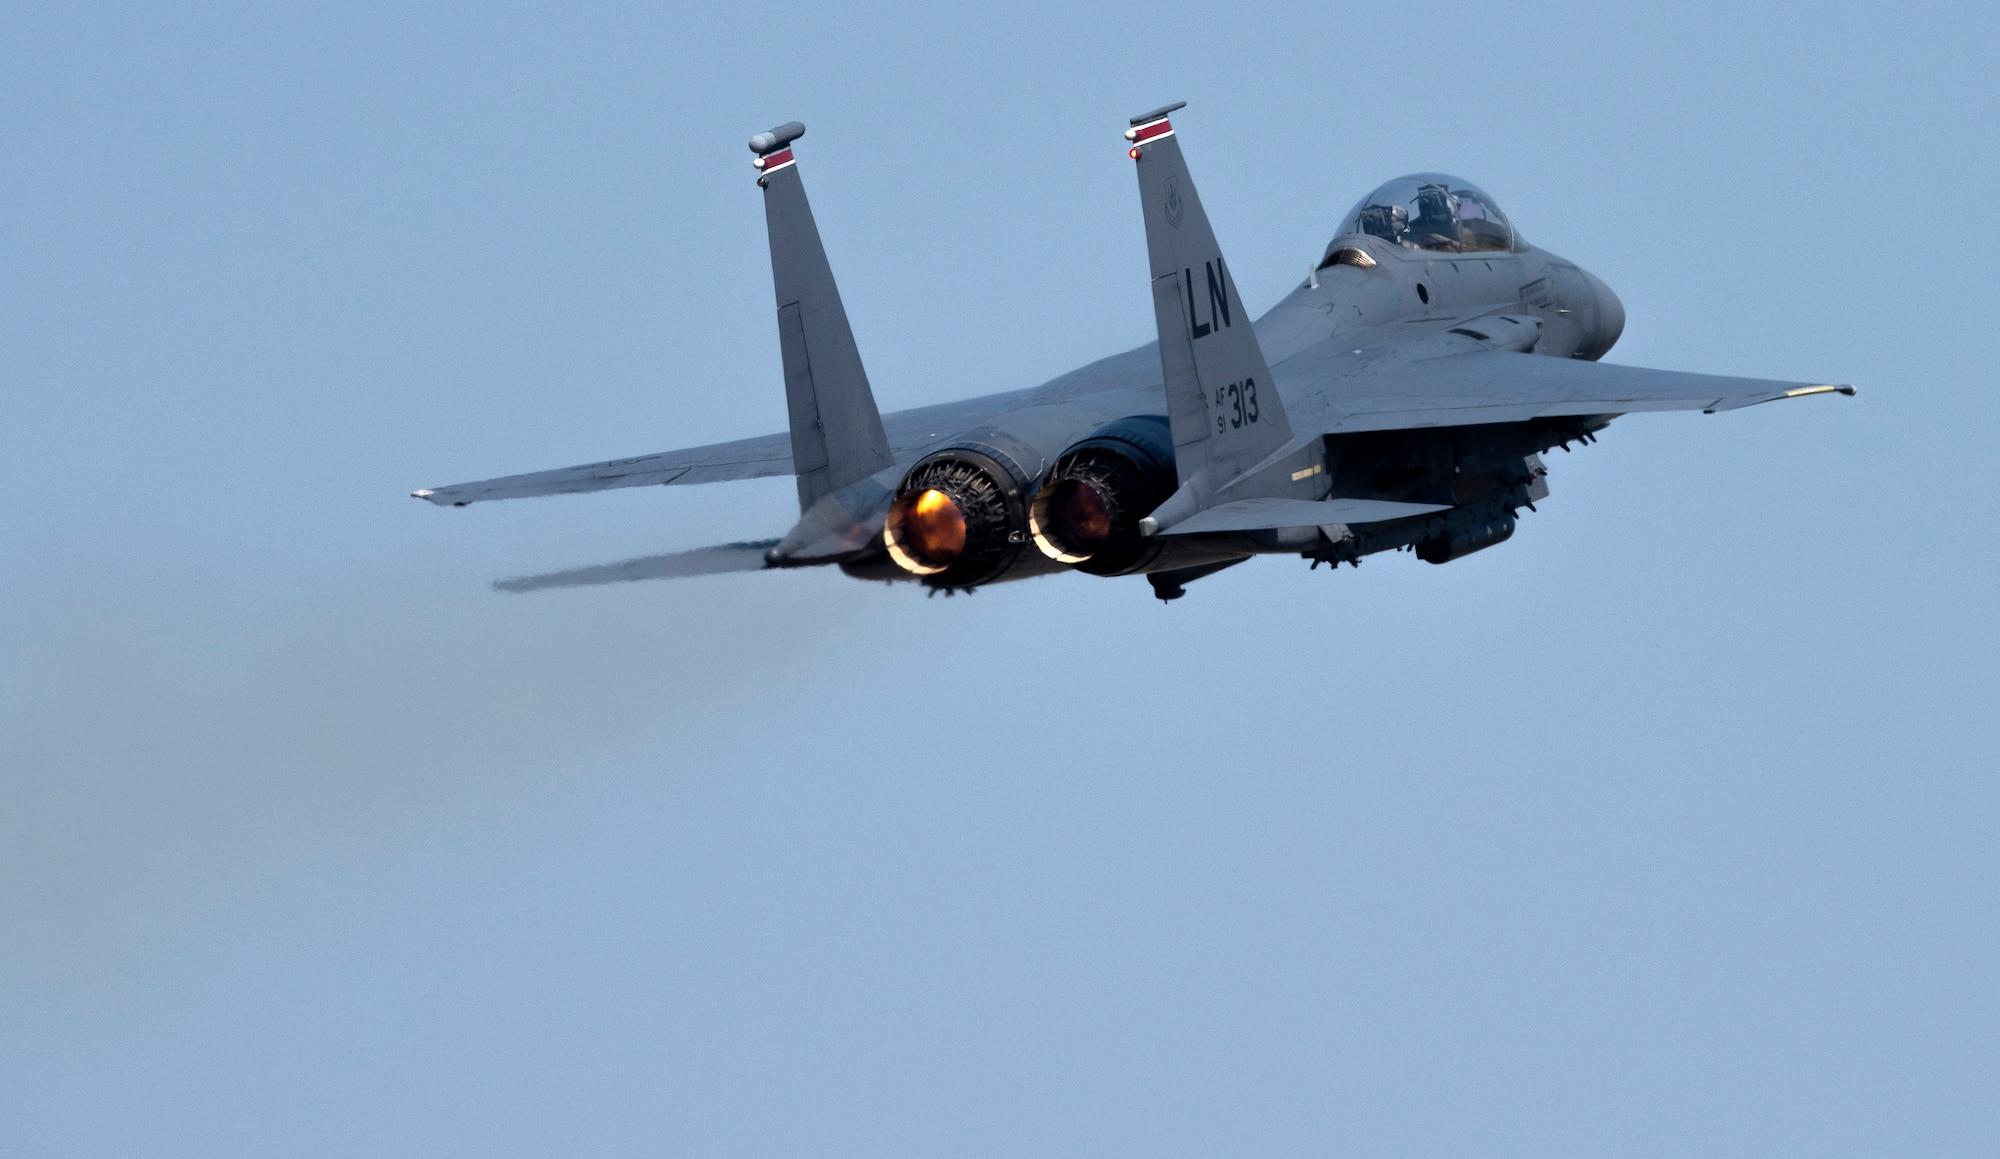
x=1610, y=316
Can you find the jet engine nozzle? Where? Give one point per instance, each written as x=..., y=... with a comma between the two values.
x=957, y=520
x=1088, y=510
x=926, y=531
x=1074, y=517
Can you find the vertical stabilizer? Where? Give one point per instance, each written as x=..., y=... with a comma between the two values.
x=837, y=436
x=1224, y=410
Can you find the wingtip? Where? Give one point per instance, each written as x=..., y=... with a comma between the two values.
x=422, y=493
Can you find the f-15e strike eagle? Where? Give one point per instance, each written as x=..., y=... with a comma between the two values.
x=1400, y=398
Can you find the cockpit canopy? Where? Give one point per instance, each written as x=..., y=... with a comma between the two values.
x=1433, y=211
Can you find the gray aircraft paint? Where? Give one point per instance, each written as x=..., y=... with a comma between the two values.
x=836, y=431
x=1410, y=394
x=1211, y=365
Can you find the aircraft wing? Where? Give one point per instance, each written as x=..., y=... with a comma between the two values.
x=718, y=462
x=909, y=431
x=1504, y=387
x=1461, y=390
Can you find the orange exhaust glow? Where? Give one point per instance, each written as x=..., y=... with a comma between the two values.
x=925, y=532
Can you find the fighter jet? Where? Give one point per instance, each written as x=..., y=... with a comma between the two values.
x=1400, y=398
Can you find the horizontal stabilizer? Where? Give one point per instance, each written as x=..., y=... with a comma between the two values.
x=727, y=557
x=1265, y=514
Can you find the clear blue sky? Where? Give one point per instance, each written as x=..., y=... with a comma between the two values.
x=1671, y=827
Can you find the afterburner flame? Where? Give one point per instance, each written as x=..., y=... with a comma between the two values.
x=936, y=527
x=926, y=531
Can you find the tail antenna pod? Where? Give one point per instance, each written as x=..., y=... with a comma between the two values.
x=1156, y=115
x=772, y=140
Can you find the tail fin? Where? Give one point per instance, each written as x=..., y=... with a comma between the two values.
x=1225, y=412
x=837, y=435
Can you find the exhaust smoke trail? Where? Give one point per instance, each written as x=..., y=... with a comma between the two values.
x=148, y=772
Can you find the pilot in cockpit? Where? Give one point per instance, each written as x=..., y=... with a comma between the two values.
x=1433, y=212
x=1388, y=222
x=1436, y=225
